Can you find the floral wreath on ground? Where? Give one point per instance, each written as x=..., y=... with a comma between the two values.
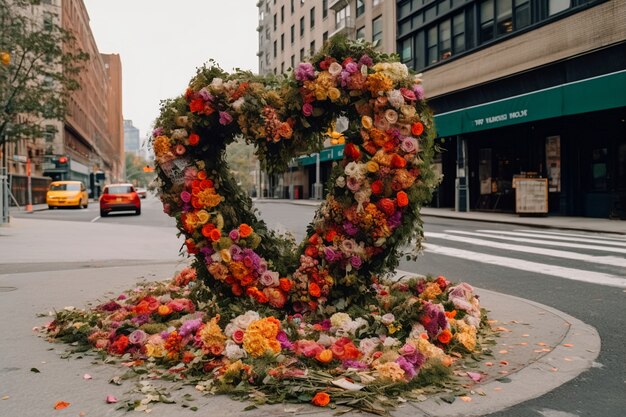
x=319, y=322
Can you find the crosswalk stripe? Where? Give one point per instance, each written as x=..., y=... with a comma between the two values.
x=603, y=260
x=536, y=267
x=566, y=238
x=541, y=242
x=604, y=237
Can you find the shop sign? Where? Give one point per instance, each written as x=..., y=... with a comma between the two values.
x=490, y=120
x=531, y=195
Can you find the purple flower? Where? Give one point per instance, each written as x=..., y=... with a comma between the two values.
x=247, y=261
x=349, y=363
x=325, y=324
x=350, y=228
x=236, y=252
x=225, y=118
x=140, y=319
x=416, y=358
x=407, y=367
x=189, y=327
x=366, y=60
x=356, y=262
x=351, y=67
x=110, y=306
x=330, y=254
x=394, y=220
x=205, y=95
x=284, y=341
x=305, y=71
x=234, y=234
x=157, y=132
x=307, y=109
x=418, y=89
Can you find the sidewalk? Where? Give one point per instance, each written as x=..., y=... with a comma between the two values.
x=539, y=348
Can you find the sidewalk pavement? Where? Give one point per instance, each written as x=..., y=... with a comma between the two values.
x=539, y=348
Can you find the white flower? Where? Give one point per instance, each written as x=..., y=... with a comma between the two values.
x=391, y=116
x=217, y=84
x=325, y=340
x=409, y=145
x=395, y=98
x=356, y=170
x=237, y=104
x=391, y=342
x=233, y=351
x=179, y=134
x=416, y=331
x=230, y=329
x=407, y=111
x=244, y=320
x=335, y=69
x=367, y=346
x=394, y=70
x=340, y=182
x=388, y=318
x=339, y=319
x=356, y=324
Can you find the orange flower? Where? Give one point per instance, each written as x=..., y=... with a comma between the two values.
x=60, y=405
x=325, y=356
x=402, y=198
x=417, y=128
x=164, y=310
x=445, y=336
x=352, y=151
x=215, y=235
x=450, y=314
x=321, y=399
x=330, y=235
x=314, y=289
x=194, y=139
x=397, y=161
x=285, y=284
x=201, y=175
x=207, y=229
x=245, y=230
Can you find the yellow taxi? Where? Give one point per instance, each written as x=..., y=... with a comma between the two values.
x=67, y=194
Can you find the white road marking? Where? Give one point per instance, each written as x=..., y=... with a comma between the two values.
x=542, y=242
x=535, y=267
x=95, y=219
x=567, y=238
x=604, y=237
x=603, y=260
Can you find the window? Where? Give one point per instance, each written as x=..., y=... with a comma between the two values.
x=360, y=33
x=49, y=133
x=282, y=41
x=293, y=33
x=342, y=17
x=431, y=45
x=267, y=34
x=293, y=61
x=302, y=26
x=486, y=21
x=377, y=29
x=275, y=49
x=443, y=6
x=312, y=48
x=505, y=17
x=405, y=9
x=521, y=13
x=282, y=14
x=557, y=6
x=445, y=40
x=301, y=54
x=458, y=33
x=324, y=37
x=360, y=7
x=406, y=50
x=324, y=9
x=292, y=7
x=275, y=22
x=282, y=67
x=312, y=17
x=48, y=21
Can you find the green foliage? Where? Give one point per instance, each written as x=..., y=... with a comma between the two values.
x=135, y=170
x=42, y=72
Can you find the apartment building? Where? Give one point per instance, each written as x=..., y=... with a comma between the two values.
x=290, y=31
x=524, y=89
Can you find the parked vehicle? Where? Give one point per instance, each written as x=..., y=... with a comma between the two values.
x=142, y=192
x=67, y=194
x=119, y=197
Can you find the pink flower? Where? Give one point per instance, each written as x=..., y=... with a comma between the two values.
x=225, y=118
x=138, y=337
x=269, y=279
x=185, y=196
x=307, y=109
x=308, y=348
x=238, y=336
x=409, y=95
x=409, y=145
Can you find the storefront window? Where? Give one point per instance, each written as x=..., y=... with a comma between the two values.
x=599, y=169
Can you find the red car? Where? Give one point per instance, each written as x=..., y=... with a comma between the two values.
x=119, y=197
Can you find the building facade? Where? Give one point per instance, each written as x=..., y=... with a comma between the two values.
x=132, y=143
x=524, y=89
x=290, y=31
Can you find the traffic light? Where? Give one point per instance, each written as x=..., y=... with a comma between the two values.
x=148, y=168
x=61, y=161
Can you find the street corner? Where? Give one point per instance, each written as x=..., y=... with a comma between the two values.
x=535, y=349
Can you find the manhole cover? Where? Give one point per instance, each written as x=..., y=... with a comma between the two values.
x=7, y=289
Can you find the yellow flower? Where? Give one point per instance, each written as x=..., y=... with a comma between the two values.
x=334, y=94
x=260, y=337
x=203, y=216
x=390, y=371
x=372, y=166
x=431, y=291
x=339, y=319
x=225, y=254
x=213, y=339
x=161, y=145
x=367, y=122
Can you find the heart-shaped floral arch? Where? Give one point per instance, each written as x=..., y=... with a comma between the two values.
x=372, y=208
x=270, y=320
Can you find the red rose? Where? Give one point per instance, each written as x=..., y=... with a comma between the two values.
x=387, y=206
x=196, y=105
x=352, y=151
x=377, y=187
x=397, y=161
x=194, y=139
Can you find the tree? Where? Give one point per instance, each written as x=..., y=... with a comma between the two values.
x=39, y=66
x=139, y=171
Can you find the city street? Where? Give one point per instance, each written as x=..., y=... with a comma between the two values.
x=578, y=273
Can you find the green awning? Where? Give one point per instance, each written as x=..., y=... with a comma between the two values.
x=332, y=153
x=593, y=94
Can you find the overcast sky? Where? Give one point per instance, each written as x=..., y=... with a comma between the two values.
x=162, y=42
